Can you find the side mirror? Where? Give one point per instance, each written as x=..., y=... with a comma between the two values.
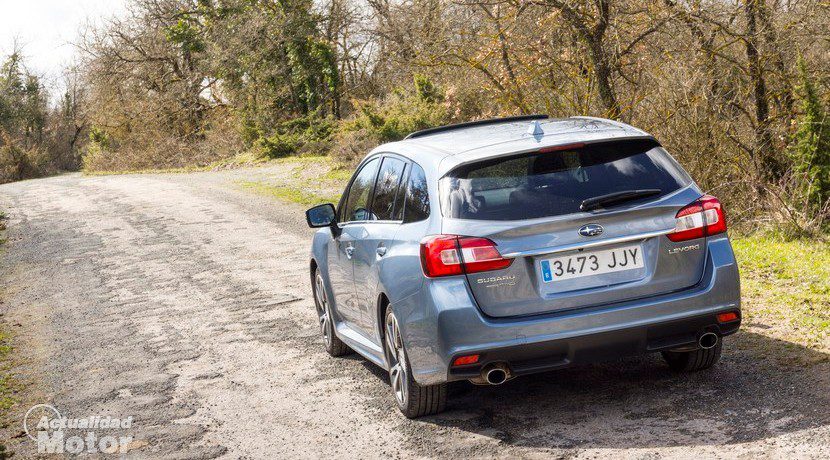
x=320, y=216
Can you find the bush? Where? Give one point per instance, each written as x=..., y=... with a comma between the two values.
x=149, y=147
x=15, y=163
x=811, y=146
x=351, y=146
x=278, y=145
x=390, y=119
x=311, y=134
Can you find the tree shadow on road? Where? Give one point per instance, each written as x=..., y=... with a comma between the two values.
x=761, y=388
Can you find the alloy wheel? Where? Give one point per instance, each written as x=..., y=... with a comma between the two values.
x=397, y=360
x=323, y=312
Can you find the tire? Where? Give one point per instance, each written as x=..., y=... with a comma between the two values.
x=413, y=400
x=334, y=346
x=691, y=361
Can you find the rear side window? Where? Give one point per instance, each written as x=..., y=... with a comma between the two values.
x=537, y=185
x=416, y=206
x=401, y=195
x=389, y=181
x=357, y=203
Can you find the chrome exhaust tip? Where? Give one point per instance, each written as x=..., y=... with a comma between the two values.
x=708, y=340
x=496, y=374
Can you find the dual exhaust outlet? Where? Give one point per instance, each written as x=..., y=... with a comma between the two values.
x=493, y=374
x=707, y=340
x=498, y=373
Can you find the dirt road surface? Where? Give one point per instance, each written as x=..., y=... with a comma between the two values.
x=184, y=301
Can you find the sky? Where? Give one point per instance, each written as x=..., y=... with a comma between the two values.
x=47, y=28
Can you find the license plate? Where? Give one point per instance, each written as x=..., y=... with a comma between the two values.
x=587, y=263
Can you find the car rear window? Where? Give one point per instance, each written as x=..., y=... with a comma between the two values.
x=534, y=185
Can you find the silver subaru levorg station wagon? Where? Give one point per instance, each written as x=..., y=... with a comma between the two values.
x=487, y=250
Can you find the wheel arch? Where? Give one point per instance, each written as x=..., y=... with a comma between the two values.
x=312, y=267
x=381, y=305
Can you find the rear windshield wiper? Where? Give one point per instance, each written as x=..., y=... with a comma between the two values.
x=616, y=198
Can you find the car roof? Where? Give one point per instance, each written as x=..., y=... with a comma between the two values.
x=444, y=150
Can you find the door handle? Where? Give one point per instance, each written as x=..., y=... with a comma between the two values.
x=349, y=251
x=381, y=250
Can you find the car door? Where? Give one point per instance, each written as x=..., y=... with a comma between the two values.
x=376, y=239
x=354, y=210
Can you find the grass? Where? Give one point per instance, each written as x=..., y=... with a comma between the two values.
x=9, y=387
x=243, y=159
x=304, y=180
x=786, y=282
x=247, y=158
x=188, y=169
x=287, y=193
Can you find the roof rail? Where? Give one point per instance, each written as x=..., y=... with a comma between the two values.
x=489, y=121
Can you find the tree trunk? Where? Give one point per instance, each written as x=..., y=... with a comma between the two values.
x=785, y=95
x=768, y=165
x=602, y=74
x=594, y=38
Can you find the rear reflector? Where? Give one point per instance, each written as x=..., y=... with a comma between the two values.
x=448, y=255
x=727, y=317
x=465, y=360
x=704, y=217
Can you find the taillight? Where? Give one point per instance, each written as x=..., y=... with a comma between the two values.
x=439, y=255
x=447, y=255
x=704, y=217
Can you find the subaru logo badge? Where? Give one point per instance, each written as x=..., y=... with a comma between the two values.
x=591, y=230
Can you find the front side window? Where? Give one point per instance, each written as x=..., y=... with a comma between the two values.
x=357, y=201
x=389, y=181
x=416, y=206
x=535, y=185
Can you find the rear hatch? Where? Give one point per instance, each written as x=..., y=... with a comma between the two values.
x=571, y=249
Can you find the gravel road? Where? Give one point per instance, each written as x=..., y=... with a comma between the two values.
x=184, y=301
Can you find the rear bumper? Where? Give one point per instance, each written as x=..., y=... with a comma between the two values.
x=556, y=354
x=452, y=325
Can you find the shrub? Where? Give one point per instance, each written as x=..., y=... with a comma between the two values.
x=15, y=163
x=149, y=147
x=278, y=144
x=390, y=119
x=811, y=147
x=351, y=146
x=302, y=135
